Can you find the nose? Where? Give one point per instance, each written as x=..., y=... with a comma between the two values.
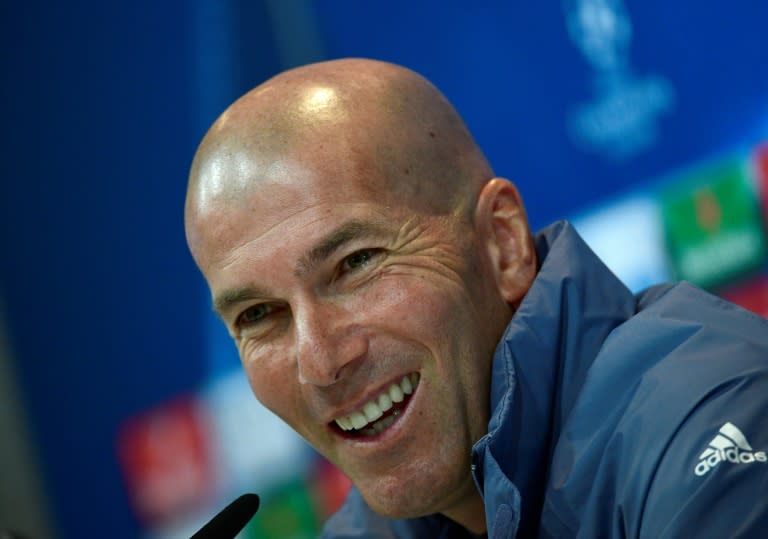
x=328, y=343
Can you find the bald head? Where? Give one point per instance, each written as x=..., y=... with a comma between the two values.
x=351, y=232
x=345, y=118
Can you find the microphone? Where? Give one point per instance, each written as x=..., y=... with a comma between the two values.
x=10, y=534
x=230, y=520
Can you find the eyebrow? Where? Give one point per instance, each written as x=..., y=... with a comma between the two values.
x=345, y=233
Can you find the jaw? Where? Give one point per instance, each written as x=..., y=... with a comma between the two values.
x=424, y=485
x=402, y=473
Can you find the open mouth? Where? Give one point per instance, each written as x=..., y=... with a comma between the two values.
x=381, y=411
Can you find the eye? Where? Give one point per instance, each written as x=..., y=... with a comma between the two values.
x=358, y=259
x=255, y=314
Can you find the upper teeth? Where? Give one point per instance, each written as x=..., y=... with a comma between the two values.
x=375, y=408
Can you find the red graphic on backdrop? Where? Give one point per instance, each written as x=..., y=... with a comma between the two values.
x=166, y=461
x=761, y=160
x=752, y=295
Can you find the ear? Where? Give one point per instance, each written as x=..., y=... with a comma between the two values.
x=504, y=232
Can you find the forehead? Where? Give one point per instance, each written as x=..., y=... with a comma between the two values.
x=288, y=208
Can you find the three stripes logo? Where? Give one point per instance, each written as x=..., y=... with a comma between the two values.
x=730, y=445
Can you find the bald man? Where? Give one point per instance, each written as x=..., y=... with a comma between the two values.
x=390, y=303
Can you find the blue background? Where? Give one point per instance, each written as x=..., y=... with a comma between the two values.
x=104, y=103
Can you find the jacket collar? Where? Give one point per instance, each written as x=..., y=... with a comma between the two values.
x=539, y=367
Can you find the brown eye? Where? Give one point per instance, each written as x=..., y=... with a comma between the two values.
x=255, y=314
x=358, y=259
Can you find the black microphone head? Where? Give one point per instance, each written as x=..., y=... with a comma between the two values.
x=10, y=534
x=230, y=520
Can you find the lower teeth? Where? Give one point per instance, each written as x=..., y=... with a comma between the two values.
x=380, y=425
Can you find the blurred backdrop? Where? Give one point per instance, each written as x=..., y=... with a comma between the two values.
x=123, y=412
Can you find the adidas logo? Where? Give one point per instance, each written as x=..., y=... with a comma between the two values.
x=730, y=445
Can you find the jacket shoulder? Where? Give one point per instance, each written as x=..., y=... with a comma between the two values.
x=685, y=304
x=712, y=475
x=662, y=386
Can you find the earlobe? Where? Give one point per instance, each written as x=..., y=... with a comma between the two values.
x=502, y=223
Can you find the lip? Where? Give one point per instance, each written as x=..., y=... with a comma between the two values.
x=392, y=432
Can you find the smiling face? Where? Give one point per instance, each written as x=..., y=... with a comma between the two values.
x=365, y=315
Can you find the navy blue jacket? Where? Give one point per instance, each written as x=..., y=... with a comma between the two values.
x=614, y=415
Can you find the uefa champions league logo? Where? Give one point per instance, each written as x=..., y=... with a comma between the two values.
x=621, y=120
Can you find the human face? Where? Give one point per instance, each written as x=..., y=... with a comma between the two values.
x=336, y=293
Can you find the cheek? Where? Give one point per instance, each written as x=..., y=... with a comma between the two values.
x=274, y=384
x=421, y=309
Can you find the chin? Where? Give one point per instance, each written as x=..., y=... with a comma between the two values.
x=416, y=493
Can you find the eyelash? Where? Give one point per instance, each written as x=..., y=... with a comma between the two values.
x=370, y=252
x=241, y=322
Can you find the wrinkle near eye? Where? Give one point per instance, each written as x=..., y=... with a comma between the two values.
x=421, y=247
x=356, y=269
x=266, y=318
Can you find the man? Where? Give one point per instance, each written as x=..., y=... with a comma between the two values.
x=391, y=304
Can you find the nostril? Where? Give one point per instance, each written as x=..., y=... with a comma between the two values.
x=324, y=360
x=320, y=380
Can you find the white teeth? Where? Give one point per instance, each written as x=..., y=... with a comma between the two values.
x=385, y=403
x=358, y=420
x=344, y=423
x=375, y=408
x=406, y=386
x=372, y=411
x=395, y=393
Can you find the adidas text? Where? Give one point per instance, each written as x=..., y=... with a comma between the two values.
x=732, y=454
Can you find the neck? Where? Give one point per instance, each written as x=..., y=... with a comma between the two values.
x=469, y=512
